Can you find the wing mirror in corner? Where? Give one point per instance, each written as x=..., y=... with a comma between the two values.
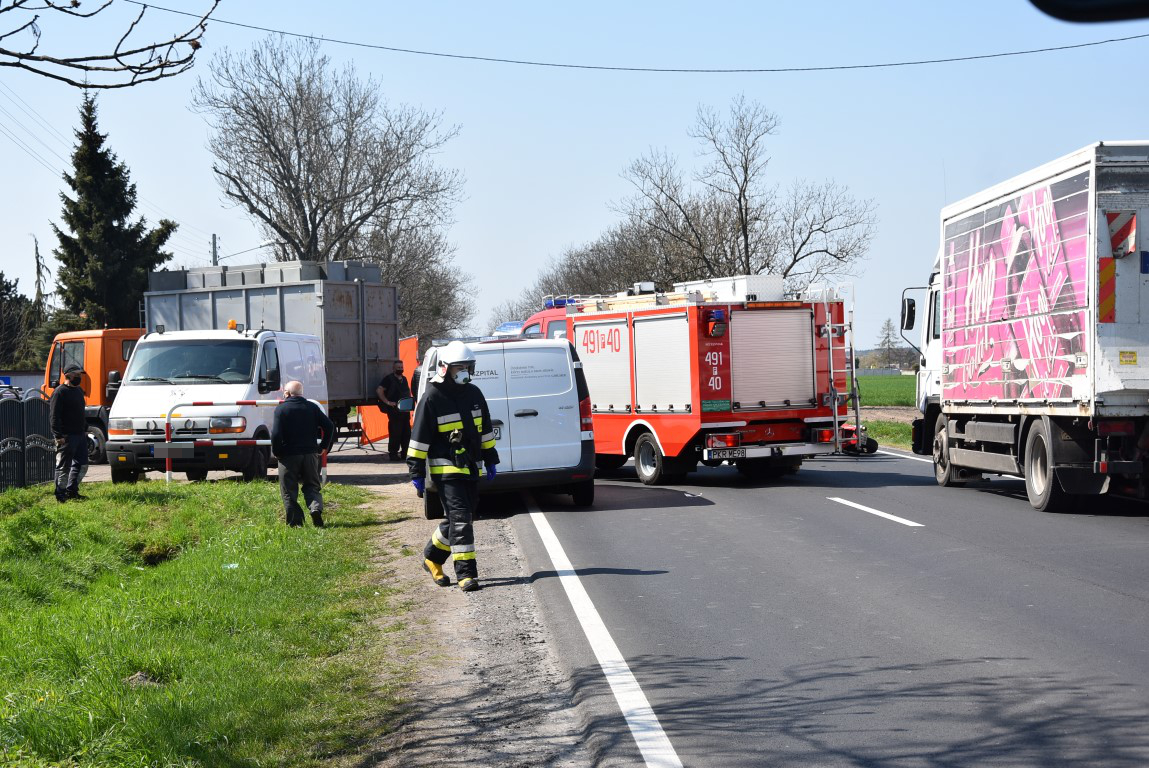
x=405, y=404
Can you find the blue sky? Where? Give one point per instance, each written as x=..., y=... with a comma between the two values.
x=542, y=149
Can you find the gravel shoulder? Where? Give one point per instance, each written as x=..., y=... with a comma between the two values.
x=902, y=414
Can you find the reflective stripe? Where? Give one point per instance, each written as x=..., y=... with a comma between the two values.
x=452, y=470
x=479, y=422
x=488, y=436
x=477, y=413
x=464, y=556
x=416, y=445
x=450, y=426
x=415, y=453
x=450, y=417
x=487, y=444
x=441, y=463
x=439, y=542
x=462, y=547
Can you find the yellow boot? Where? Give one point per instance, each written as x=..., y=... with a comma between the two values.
x=436, y=571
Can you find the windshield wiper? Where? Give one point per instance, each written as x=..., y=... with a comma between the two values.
x=149, y=378
x=198, y=376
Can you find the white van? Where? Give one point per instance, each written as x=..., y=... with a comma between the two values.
x=167, y=369
x=540, y=411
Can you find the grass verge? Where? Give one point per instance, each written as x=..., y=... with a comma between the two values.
x=185, y=625
x=887, y=390
x=890, y=434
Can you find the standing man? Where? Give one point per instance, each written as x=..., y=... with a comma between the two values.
x=452, y=440
x=70, y=428
x=391, y=390
x=300, y=430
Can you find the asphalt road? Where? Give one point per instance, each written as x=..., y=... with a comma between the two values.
x=769, y=625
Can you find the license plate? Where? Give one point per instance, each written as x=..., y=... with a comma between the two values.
x=728, y=453
x=498, y=432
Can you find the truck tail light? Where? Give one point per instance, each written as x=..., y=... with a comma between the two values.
x=1108, y=428
x=584, y=413
x=731, y=440
x=224, y=425
x=823, y=435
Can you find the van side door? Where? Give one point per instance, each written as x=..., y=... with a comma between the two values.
x=543, y=405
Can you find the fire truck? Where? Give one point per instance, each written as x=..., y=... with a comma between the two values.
x=728, y=370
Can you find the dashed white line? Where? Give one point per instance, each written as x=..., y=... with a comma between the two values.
x=656, y=749
x=904, y=456
x=877, y=512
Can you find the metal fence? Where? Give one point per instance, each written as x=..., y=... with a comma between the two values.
x=27, y=450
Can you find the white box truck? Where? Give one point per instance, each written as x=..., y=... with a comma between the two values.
x=1035, y=331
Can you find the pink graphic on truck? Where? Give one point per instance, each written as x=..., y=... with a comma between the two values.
x=1015, y=295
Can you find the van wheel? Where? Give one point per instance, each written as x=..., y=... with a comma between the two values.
x=649, y=463
x=583, y=493
x=97, y=445
x=432, y=505
x=256, y=468
x=608, y=462
x=196, y=475
x=945, y=473
x=124, y=475
x=1041, y=484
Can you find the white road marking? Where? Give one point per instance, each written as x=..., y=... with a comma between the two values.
x=879, y=513
x=657, y=751
x=904, y=456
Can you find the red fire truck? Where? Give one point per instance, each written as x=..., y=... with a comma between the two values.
x=723, y=370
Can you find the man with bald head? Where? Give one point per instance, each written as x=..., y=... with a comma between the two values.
x=299, y=432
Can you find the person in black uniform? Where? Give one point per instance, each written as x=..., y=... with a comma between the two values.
x=391, y=390
x=70, y=428
x=452, y=439
x=300, y=431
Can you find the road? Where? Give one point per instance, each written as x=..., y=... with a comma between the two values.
x=770, y=625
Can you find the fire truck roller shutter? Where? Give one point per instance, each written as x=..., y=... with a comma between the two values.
x=772, y=358
x=662, y=364
x=605, y=351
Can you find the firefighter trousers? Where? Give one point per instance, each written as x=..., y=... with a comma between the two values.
x=455, y=536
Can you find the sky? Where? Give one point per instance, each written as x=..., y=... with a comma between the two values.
x=542, y=149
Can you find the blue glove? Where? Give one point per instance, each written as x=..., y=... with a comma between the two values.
x=491, y=472
x=419, y=483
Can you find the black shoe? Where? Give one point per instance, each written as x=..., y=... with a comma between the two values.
x=317, y=519
x=61, y=498
x=392, y=457
x=76, y=497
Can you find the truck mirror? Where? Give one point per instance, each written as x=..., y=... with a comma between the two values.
x=112, y=388
x=909, y=313
x=114, y=377
x=270, y=382
x=405, y=404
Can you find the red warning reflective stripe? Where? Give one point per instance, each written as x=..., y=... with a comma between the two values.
x=1122, y=232
x=1107, y=290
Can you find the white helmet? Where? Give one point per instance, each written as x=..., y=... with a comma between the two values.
x=455, y=353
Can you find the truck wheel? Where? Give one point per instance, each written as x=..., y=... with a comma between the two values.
x=196, y=475
x=97, y=445
x=1041, y=484
x=608, y=462
x=432, y=505
x=582, y=495
x=124, y=475
x=256, y=468
x=648, y=460
x=945, y=473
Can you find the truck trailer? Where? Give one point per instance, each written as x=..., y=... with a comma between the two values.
x=714, y=371
x=1035, y=331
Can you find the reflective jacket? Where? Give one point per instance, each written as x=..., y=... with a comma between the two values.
x=448, y=409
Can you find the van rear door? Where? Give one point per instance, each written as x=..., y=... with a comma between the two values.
x=543, y=405
x=490, y=376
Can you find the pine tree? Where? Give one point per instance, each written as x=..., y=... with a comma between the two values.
x=888, y=340
x=105, y=260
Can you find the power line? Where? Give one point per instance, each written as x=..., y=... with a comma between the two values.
x=655, y=70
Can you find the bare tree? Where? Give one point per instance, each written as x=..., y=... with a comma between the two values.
x=130, y=60
x=820, y=232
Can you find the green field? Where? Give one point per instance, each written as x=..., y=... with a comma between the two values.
x=887, y=390
x=890, y=434
x=186, y=625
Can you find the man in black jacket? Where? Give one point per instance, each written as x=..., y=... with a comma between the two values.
x=70, y=428
x=452, y=440
x=390, y=391
x=300, y=431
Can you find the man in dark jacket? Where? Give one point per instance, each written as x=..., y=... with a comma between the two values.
x=391, y=390
x=300, y=431
x=452, y=439
x=70, y=428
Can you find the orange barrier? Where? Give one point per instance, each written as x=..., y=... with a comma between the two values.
x=373, y=420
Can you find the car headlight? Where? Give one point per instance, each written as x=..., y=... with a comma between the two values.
x=227, y=425
x=120, y=427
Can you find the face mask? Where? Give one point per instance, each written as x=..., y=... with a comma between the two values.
x=462, y=377
x=74, y=381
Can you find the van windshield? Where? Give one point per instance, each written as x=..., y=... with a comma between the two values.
x=229, y=361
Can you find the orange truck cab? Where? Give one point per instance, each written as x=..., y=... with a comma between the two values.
x=103, y=355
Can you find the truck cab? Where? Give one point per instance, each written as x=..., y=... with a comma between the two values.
x=928, y=338
x=103, y=355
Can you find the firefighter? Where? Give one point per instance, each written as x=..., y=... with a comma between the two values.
x=452, y=440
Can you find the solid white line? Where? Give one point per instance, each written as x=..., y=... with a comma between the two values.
x=657, y=751
x=886, y=515
x=904, y=456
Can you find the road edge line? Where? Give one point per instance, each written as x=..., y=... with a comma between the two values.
x=904, y=456
x=877, y=512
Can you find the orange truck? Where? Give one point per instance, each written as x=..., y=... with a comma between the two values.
x=103, y=355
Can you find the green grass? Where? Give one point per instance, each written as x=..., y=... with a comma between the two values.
x=890, y=434
x=887, y=390
x=255, y=644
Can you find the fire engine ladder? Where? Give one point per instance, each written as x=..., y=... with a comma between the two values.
x=845, y=330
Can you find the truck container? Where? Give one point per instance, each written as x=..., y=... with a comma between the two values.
x=1035, y=332
x=724, y=370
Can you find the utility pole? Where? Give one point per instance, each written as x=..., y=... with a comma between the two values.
x=214, y=251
